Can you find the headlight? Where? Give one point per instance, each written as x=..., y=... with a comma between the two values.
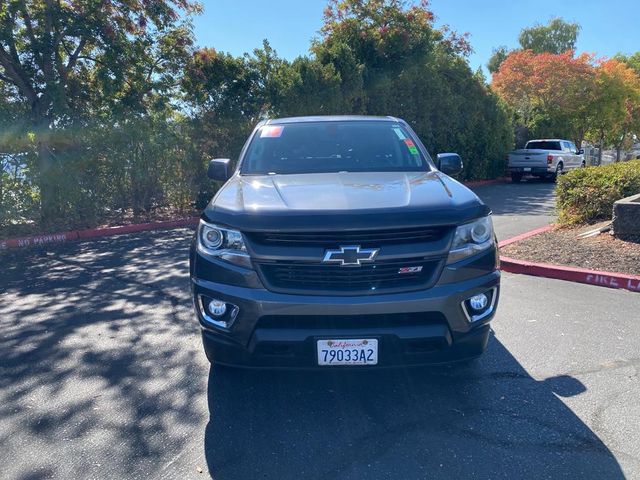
x=470, y=239
x=223, y=243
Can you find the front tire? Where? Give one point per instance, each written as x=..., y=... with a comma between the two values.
x=559, y=171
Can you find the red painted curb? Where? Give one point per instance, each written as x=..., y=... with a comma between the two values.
x=572, y=274
x=564, y=272
x=38, y=240
x=94, y=233
x=522, y=236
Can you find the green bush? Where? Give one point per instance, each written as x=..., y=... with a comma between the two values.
x=587, y=194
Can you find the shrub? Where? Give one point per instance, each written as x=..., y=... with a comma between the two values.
x=587, y=194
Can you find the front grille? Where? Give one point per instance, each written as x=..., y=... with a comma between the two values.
x=319, y=279
x=363, y=237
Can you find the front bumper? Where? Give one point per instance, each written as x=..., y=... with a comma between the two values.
x=412, y=328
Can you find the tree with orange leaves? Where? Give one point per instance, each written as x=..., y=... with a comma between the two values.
x=615, y=117
x=551, y=94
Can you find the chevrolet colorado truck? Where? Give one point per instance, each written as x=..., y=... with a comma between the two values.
x=545, y=159
x=340, y=242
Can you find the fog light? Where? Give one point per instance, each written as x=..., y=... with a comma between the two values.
x=218, y=308
x=216, y=313
x=479, y=302
x=481, y=305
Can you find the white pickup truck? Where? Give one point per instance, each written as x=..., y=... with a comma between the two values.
x=546, y=158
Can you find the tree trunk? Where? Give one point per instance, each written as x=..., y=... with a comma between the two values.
x=2, y=205
x=619, y=147
x=49, y=201
x=600, y=151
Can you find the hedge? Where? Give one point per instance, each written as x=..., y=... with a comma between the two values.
x=586, y=195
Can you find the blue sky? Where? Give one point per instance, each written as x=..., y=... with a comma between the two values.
x=608, y=26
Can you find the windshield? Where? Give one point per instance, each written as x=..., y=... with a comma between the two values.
x=544, y=145
x=321, y=147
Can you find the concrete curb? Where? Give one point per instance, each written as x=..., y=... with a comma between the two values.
x=563, y=272
x=60, y=237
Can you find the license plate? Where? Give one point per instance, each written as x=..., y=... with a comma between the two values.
x=526, y=169
x=358, y=351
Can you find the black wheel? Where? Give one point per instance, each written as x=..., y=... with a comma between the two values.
x=558, y=172
x=516, y=177
x=583, y=164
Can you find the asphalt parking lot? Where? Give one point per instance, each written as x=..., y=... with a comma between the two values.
x=102, y=376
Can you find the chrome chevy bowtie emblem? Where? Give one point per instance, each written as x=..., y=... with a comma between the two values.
x=350, y=256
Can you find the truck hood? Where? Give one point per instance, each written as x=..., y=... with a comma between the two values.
x=344, y=200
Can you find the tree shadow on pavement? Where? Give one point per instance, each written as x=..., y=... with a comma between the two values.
x=102, y=372
x=533, y=197
x=488, y=420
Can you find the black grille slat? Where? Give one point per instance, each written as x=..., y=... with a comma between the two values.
x=311, y=273
x=336, y=281
x=344, y=278
x=348, y=283
x=383, y=237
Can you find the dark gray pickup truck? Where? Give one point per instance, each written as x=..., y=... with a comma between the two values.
x=338, y=241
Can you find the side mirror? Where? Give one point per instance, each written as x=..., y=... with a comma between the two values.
x=581, y=151
x=219, y=169
x=449, y=163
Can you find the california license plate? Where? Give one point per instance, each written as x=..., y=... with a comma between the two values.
x=358, y=351
x=526, y=169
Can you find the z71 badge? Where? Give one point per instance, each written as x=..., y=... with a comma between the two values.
x=410, y=269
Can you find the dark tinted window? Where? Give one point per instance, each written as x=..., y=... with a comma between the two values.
x=315, y=147
x=544, y=145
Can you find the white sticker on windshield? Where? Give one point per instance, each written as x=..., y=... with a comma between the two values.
x=271, y=131
x=399, y=133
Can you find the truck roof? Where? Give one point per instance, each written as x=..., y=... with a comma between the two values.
x=332, y=118
x=548, y=140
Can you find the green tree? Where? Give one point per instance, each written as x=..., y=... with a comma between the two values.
x=313, y=88
x=497, y=57
x=615, y=111
x=551, y=94
x=53, y=53
x=556, y=37
x=632, y=61
x=228, y=95
x=409, y=68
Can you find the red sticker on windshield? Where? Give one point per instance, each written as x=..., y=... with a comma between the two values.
x=409, y=142
x=271, y=131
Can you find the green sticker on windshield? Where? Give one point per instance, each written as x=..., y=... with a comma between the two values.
x=399, y=133
x=412, y=146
